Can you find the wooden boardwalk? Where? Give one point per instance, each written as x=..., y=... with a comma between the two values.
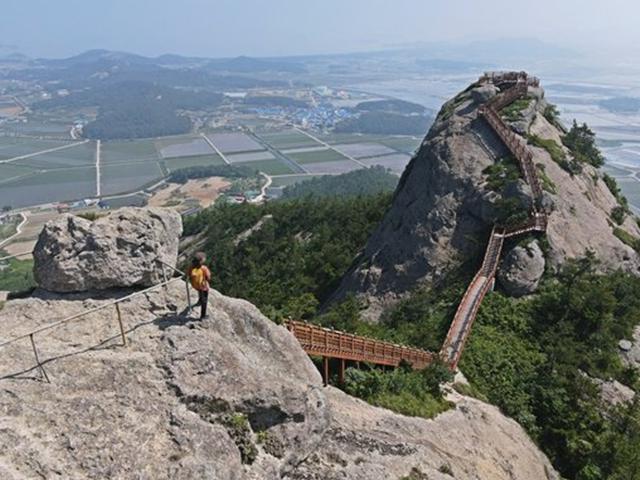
x=346, y=347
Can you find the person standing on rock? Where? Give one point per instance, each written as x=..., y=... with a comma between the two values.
x=200, y=276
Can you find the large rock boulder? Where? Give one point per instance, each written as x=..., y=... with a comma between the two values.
x=445, y=206
x=522, y=269
x=232, y=397
x=121, y=249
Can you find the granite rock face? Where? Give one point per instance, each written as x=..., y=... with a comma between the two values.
x=521, y=270
x=121, y=249
x=233, y=397
x=445, y=206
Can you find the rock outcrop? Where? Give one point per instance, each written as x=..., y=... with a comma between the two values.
x=233, y=397
x=121, y=249
x=445, y=206
x=521, y=270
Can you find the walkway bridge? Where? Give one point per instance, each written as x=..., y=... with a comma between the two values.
x=343, y=346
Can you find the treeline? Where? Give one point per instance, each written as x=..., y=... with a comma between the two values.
x=396, y=106
x=296, y=259
x=182, y=175
x=385, y=123
x=367, y=181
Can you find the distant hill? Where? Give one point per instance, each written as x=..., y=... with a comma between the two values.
x=385, y=123
x=135, y=109
x=394, y=106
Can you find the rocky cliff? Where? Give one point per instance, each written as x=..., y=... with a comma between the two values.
x=233, y=397
x=456, y=188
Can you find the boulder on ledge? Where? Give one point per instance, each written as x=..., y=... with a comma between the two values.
x=121, y=249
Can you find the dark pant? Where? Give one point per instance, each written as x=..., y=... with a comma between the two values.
x=203, y=298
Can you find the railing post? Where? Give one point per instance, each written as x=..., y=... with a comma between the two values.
x=122, y=334
x=189, y=307
x=325, y=370
x=35, y=353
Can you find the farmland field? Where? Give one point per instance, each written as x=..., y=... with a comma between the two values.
x=126, y=178
x=198, y=161
x=288, y=139
x=53, y=186
x=361, y=150
x=81, y=155
x=11, y=147
x=270, y=167
x=250, y=157
x=128, y=151
x=316, y=156
x=234, y=142
x=334, y=167
x=8, y=171
x=188, y=148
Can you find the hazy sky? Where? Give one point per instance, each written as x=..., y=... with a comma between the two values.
x=217, y=28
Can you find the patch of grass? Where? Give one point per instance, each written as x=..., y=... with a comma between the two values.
x=626, y=238
x=512, y=112
x=556, y=153
x=16, y=275
x=547, y=184
x=238, y=428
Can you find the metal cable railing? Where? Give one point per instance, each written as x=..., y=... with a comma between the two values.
x=115, y=303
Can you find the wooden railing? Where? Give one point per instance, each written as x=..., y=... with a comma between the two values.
x=325, y=342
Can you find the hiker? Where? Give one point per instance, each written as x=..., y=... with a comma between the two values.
x=199, y=276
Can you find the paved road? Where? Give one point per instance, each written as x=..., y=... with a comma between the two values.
x=98, y=148
x=279, y=155
x=50, y=150
x=18, y=230
x=217, y=150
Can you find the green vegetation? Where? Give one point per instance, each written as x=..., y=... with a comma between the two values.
x=182, y=175
x=135, y=109
x=16, y=275
x=406, y=391
x=618, y=214
x=513, y=111
x=368, y=181
x=396, y=106
x=556, y=153
x=297, y=258
x=452, y=105
x=552, y=114
x=239, y=430
x=626, y=238
x=501, y=173
x=531, y=357
x=385, y=123
x=581, y=140
x=547, y=184
x=316, y=156
x=613, y=187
